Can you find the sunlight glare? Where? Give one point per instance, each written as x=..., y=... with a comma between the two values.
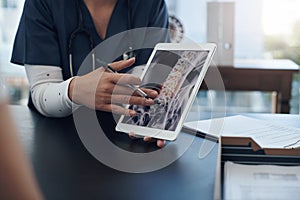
x=279, y=16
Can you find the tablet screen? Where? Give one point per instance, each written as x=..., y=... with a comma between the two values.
x=173, y=73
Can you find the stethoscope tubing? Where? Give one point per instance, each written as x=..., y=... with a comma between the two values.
x=81, y=30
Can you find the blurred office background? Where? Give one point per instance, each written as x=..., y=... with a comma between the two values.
x=263, y=29
x=13, y=75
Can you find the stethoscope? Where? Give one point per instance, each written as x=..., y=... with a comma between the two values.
x=80, y=29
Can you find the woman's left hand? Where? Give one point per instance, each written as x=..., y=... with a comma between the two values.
x=160, y=143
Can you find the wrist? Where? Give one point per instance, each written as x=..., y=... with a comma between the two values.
x=70, y=88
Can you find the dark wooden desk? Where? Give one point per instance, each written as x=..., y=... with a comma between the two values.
x=66, y=170
x=262, y=75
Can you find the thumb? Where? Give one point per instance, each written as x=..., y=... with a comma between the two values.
x=119, y=65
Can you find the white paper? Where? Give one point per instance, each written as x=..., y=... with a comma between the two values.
x=265, y=134
x=265, y=182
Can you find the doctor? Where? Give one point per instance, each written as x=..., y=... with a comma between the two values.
x=55, y=36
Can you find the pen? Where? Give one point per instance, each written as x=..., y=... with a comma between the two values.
x=110, y=69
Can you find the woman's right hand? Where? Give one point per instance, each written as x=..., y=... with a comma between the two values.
x=106, y=91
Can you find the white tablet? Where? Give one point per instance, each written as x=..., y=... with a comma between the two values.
x=176, y=71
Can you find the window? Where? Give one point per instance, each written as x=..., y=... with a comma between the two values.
x=263, y=29
x=258, y=24
x=9, y=3
x=13, y=75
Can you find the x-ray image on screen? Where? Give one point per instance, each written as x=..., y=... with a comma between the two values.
x=173, y=74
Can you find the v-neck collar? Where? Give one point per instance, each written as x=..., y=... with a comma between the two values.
x=90, y=23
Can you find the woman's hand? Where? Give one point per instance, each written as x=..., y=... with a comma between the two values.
x=160, y=143
x=105, y=91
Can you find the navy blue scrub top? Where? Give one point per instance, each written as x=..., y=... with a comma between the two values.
x=45, y=27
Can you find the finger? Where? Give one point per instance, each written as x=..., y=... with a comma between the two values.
x=109, y=81
x=119, y=89
x=147, y=139
x=124, y=90
x=160, y=143
x=116, y=109
x=115, y=98
x=119, y=65
x=150, y=93
x=123, y=79
x=131, y=135
x=132, y=100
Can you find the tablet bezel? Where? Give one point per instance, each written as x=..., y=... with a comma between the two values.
x=167, y=134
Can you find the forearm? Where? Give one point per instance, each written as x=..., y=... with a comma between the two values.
x=16, y=177
x=49, y=92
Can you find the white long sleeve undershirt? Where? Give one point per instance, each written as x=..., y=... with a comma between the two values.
x=49, y=92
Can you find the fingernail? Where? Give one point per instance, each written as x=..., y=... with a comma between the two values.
x=149, y=101
x=153, y=93
x=161, y=143
x=131, y=135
